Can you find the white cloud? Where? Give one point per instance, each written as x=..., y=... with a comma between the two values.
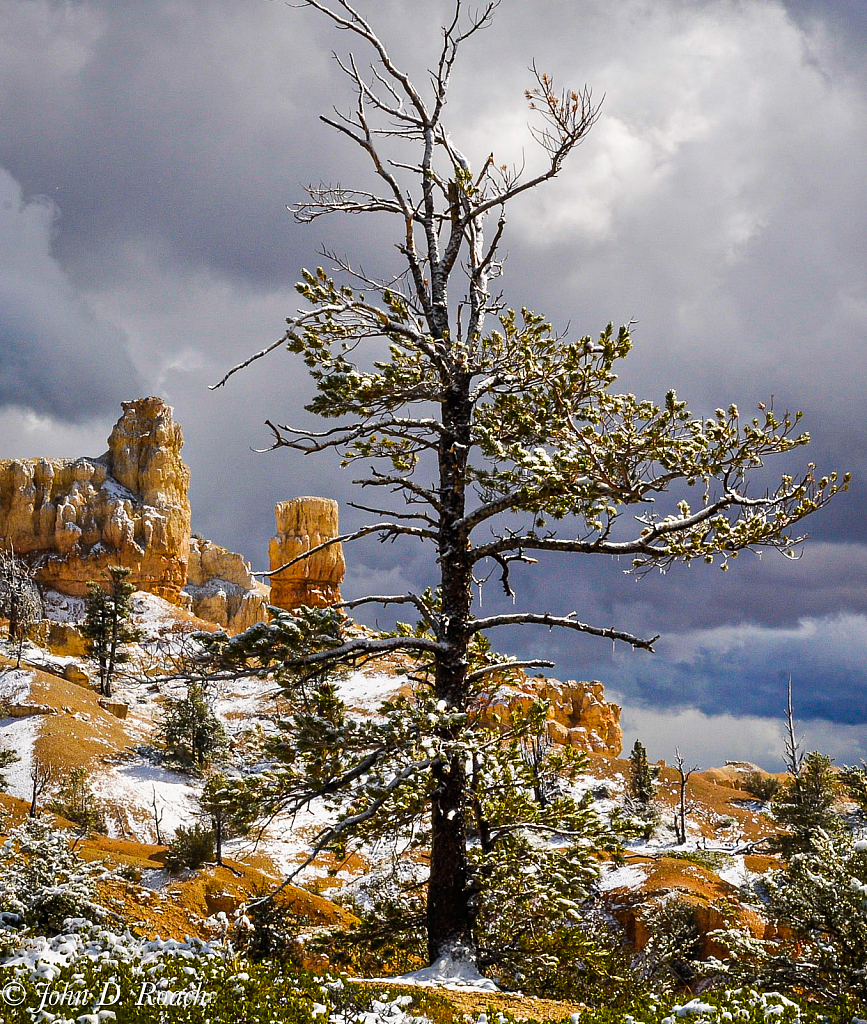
x=709, y=740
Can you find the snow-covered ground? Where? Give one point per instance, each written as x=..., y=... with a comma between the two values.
x=452, y=972
x=365, y=691
x=19, y=734
x=629, y=876
x=62, y=607
x=136, y=784
x=15, y=684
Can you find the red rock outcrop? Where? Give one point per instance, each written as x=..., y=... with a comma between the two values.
x=302, y=524
x=578, y=715
x=223, y=589
x=73, y=518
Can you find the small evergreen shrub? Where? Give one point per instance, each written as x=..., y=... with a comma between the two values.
x=805, y=806
x=191, y=733
x=43, y=882
x=761, y=785
x=190, y=848
x=714, y=860
x=266, y=928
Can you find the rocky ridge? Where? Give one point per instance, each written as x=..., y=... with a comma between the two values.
x=578, y=714
x=73, y=518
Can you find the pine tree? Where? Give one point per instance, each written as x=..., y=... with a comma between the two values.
x=108, y=627
x=805, y=805
x=190, y=731
x=641, y=791
x=500, y=437
x=819, y=903
x=854, y=779
x=43, y=882
x=7, y=759
x=230, y=808
x=76, y=801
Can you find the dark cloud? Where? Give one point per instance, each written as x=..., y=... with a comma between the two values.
x=57, y=356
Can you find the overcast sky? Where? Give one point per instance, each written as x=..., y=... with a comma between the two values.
x=148, y=149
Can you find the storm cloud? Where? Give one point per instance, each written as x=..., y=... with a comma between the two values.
x=58, y=357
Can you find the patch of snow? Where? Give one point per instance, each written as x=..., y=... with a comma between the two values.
x=694, y=1008
x=150, y=612
x=630, y=876
x=452, y=971
x=156, y=878
x=19, y=734
x=15, y=684
x=382, y=1011
x=286, y=841
x=133, y=785
x=246, y=696
x=367, y=691
x=62, y=607
x=750, y=805
x=44, y=957
x=736, y=874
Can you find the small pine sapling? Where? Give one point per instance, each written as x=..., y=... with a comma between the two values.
x=641, y=790
x=762, y=785
x=76, y=801
x=190, y=848
x=229, y=807
x=806, y=805
x=191, y=733
x=7, y=759
x=108, y=628
x=41, y=775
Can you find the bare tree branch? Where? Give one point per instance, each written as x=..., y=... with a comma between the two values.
x=560, y=621
x=388, y=530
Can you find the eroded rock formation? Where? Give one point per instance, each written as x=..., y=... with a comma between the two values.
x=578, y=714
x=302, y=524
x=74, y=518
x=222, y=588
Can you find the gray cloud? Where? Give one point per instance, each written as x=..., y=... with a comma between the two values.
x=707, y=740
x=54, y=348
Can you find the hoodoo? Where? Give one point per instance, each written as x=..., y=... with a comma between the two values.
x=302, y=524
x=75, y=517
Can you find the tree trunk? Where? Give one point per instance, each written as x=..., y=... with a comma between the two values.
x=218, y=830
x=449, y=917
x=449, y=909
